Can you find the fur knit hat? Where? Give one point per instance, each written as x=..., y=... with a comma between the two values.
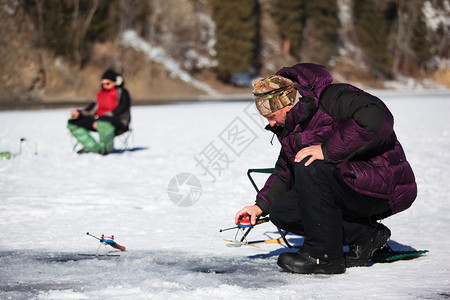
x=273, y=93
x=110, y=75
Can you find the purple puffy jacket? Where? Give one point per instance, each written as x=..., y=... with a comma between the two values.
x=356, y=133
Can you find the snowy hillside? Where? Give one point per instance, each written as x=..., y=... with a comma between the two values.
x=50, y=197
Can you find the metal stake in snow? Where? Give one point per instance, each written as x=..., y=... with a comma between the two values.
x=108, y=240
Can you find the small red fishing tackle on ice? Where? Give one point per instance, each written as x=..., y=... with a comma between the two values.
x=244, y=226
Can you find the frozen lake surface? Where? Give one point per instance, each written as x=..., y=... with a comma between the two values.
x=50, y=197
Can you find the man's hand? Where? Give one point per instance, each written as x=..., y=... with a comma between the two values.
x=249, y=211
x=75, y=114
x=314, y=151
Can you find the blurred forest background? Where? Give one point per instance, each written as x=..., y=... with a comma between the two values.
x=54, y=51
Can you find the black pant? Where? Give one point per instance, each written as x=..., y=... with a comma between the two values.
x=87, y=122
x=327, y=212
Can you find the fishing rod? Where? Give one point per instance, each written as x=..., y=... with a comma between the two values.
x=108, y=240
x=245, y=224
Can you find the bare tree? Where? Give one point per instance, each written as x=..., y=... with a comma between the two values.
x=401, y=37
x=79, y=28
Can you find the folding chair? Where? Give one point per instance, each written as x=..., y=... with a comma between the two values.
x=265, y=171
x=126, y=139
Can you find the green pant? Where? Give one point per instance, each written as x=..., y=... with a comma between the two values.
x=84, y=138
x=106, y=135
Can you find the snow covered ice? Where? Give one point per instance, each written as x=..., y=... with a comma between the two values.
x=49, y=201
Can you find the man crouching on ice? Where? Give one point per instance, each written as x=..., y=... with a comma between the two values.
x=340, y=169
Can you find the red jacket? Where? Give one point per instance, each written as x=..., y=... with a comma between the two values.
x=114, y=104
x=106, y=101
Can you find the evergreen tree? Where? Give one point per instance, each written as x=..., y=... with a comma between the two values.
x=236, y=34
x=289, y=17
x=372, y=30
x=324, y=28
x=420, y=44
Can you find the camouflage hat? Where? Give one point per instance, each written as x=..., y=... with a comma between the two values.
x=273, y=93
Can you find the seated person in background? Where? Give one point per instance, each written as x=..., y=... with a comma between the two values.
x=109, y=116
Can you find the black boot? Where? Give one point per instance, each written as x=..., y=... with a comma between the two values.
x=360, y=254
x=303, y=263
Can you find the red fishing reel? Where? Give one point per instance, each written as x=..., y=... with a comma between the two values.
x=244, y=222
